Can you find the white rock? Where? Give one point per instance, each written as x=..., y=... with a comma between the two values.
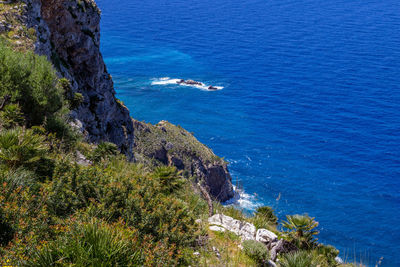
x=215, y=228
x=339, y=260
x=196, y=253
x=265, y=236
x=243, y=229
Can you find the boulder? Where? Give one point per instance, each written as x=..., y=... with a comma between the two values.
x=245, y=230
x=216, y=228
x=281, y=246
x=265, y=236
x=339, y=260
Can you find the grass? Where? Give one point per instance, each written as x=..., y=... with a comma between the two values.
x=227, y=244
x=18, y=35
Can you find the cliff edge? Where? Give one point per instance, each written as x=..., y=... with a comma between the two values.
x=68, y=33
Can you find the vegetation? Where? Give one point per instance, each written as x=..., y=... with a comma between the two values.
x=298, y=259
x=264, y=217
x=301, y=230
x=110, y=212
x=256, y=251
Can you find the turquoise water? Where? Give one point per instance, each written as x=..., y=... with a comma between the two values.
x=308, y=116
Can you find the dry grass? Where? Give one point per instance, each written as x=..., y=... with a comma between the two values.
x=227, y=245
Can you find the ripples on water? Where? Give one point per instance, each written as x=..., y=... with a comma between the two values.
x=309, y=113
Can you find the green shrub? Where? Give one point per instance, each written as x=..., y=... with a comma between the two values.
x=301, y=230
x=264, y=217
x=170, y=179
x=256, y=251
x=30, y=81
x=11, y=116
x=74, y=99
x=104, y=151
x=6, y=231
x=21, y=147
x=66, y=136
x=325, y=255
x=72, y=188
x=89, y=244
x=298, y=259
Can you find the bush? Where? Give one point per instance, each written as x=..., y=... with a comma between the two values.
x=90, y=244
x=170, y=179
x=256, y=251
x=104, y=151
x=30, y=81
x=298, y=259
x=325, y=255
x=21, y=147
x=23, y=212
x=264, y=217
x=72, y=188
x=66, y=136
x=11, y=116
x=301, y=230
x=74, y=99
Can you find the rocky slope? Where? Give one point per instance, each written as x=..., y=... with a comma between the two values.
x=165, y=143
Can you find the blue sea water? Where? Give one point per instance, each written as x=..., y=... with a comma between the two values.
x=309, y=114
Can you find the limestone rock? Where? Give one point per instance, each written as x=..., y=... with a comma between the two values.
x=215, y=228
x=265, y=236
x=81, y=159
x=245, y=230
x=68, y=33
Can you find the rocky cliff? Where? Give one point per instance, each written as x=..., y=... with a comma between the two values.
x=67, y=32
x=165, y=143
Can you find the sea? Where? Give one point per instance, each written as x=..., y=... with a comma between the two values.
x=306, y=110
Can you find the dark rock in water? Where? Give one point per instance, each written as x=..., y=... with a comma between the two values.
x=189, y=82
x=212, y=88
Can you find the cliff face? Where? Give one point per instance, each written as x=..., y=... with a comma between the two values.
x=68, y=33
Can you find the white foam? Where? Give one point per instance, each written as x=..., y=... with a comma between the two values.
x=243, y=200
x=169, y=81
x=164, y=81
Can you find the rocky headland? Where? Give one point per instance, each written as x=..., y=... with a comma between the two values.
x=68, y=34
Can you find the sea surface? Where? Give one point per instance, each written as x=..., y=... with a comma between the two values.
x=308, y=107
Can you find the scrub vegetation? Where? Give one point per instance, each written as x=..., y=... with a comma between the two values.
x=109, y=211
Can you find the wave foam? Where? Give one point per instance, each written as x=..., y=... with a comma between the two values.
x=243, y=200
x=169, y=81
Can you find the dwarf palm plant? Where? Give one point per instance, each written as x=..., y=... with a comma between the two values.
x=301, y=230
x=21, y=147
x=169, y=178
